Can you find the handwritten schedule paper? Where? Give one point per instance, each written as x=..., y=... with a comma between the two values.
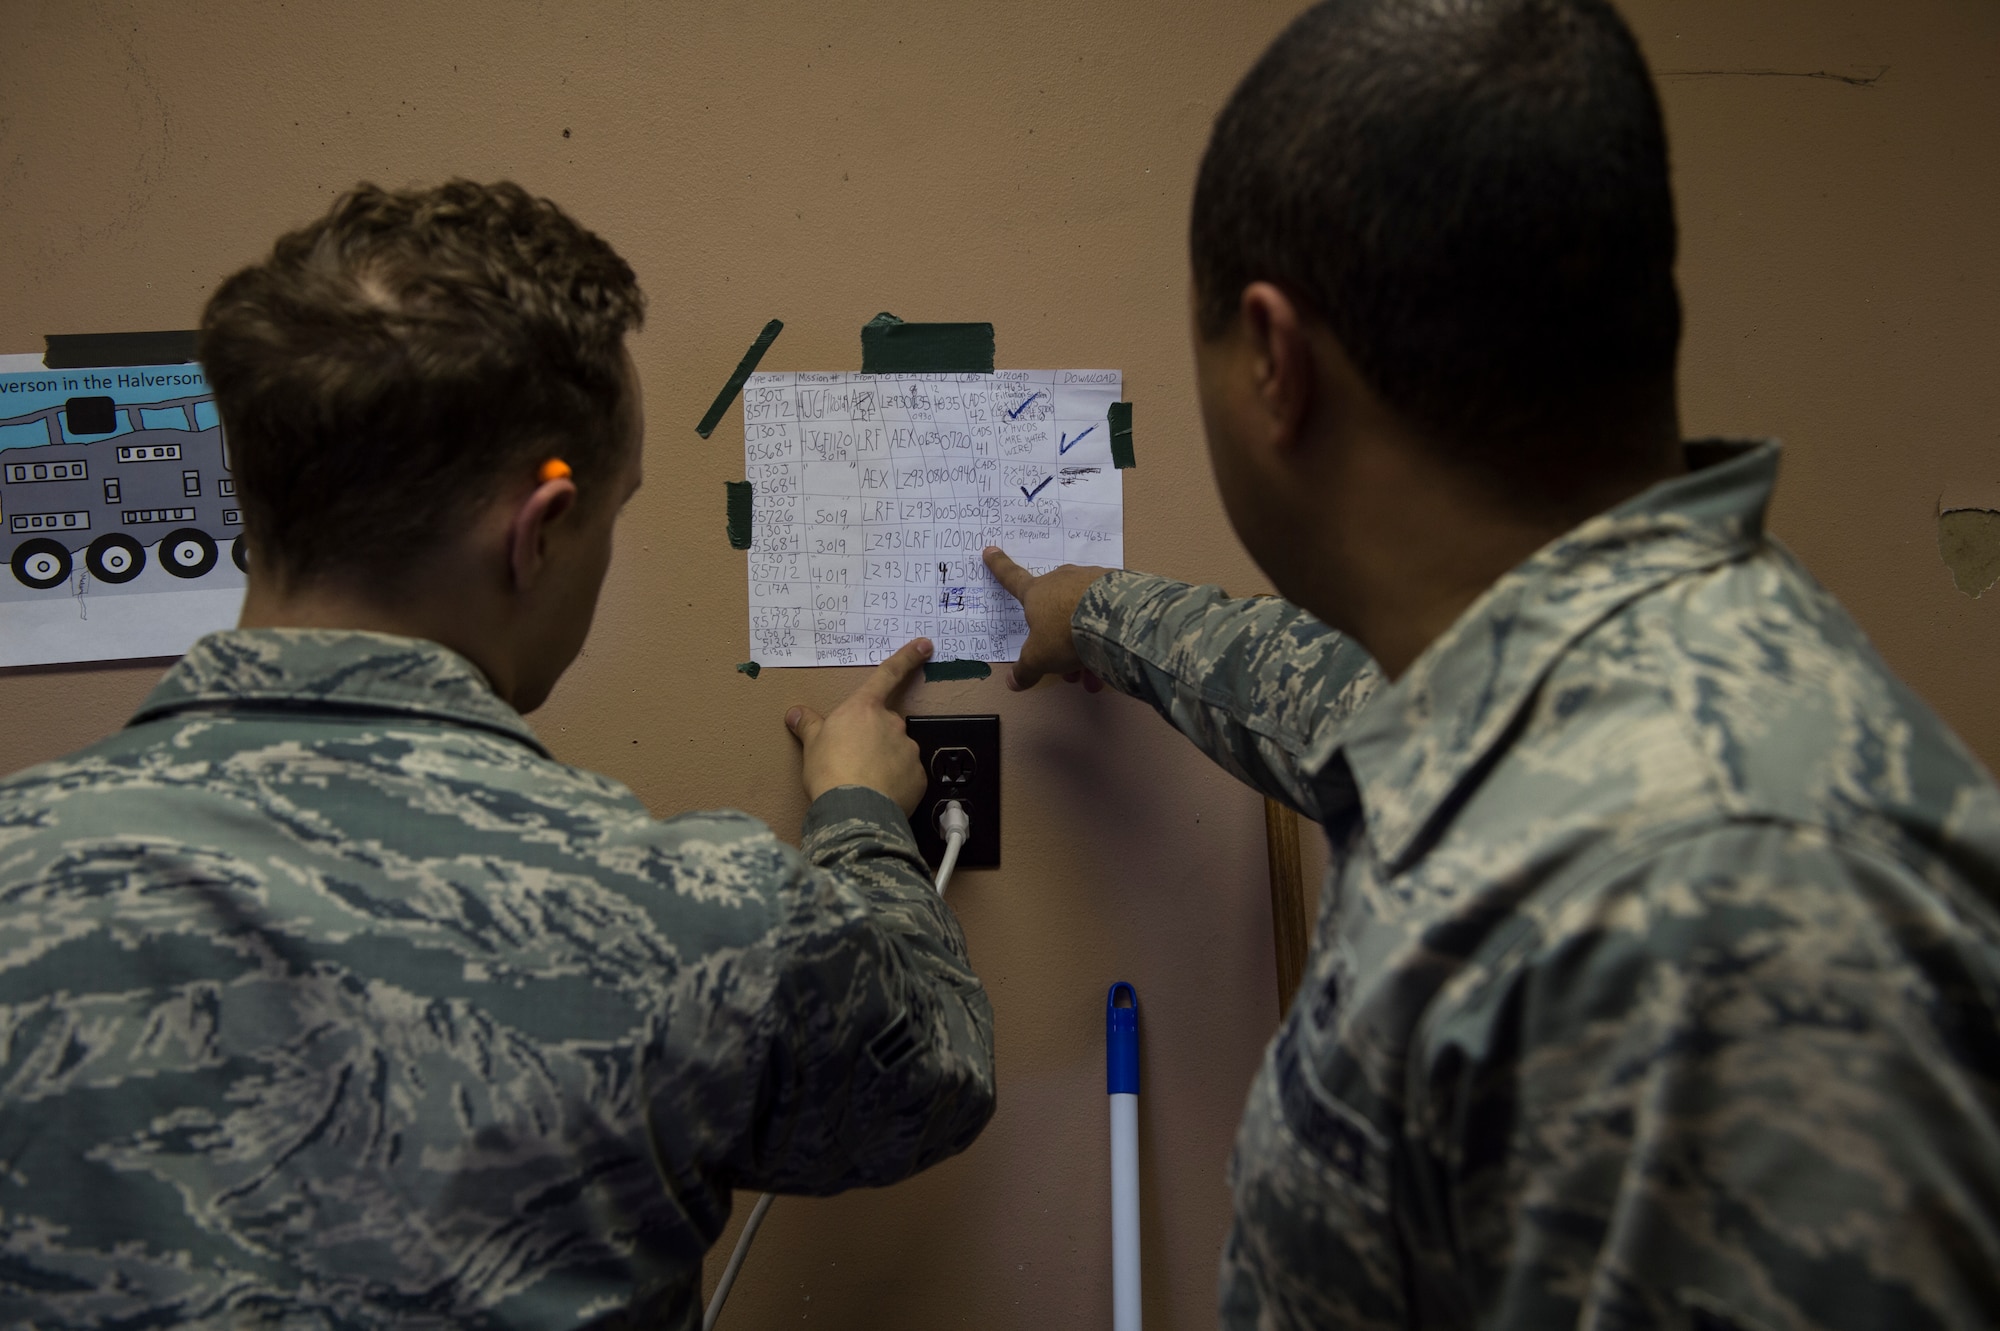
x=873, y=496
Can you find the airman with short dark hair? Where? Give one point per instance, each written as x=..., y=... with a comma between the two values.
x=1656, y=981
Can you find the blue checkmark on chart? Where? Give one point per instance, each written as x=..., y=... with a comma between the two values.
x=1016, y=412
x=1038, y=489
x=1068, y=443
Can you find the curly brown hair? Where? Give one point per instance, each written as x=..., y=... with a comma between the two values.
x=394, y=363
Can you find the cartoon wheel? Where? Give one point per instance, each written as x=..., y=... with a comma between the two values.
x=187, y=552
x=41, y=563
x=115, y=558
x=239, y=554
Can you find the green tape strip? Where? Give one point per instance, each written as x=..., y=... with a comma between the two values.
x=87, y=351
x=937, y=670
x=750, y=668
x=740, y=496
x=890, y=346
x=744, y=369
x=1120, y=417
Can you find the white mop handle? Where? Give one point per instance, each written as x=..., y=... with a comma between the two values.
x=1121, y=1069
x=1125, y=1213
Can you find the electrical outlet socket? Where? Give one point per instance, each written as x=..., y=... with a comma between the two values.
x=961, y=756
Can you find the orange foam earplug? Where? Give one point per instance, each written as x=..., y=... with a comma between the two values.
x=555, y=469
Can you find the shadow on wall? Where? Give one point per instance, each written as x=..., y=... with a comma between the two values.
x=1084, y=761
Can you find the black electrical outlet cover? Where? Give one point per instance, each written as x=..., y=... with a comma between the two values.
x=961, y=757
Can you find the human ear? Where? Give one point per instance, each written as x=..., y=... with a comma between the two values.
x=528, y=533
x=1281, y=360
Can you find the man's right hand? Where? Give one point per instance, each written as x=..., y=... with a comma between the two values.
x=863, y=742
x=1050, y=603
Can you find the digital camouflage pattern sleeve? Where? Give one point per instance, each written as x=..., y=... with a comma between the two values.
x=878, y=1036
x=329, y=999
x=1753, y=1088
x=1260, y=685
x=1656, y=980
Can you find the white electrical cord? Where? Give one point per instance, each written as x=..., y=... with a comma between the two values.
x=735, y=1261
x=956, y=827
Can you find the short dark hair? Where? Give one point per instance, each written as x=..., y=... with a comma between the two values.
x=386, y=369
x=1473, y=196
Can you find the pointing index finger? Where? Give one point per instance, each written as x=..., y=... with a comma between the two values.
x=1009, y=574
x=895, y=671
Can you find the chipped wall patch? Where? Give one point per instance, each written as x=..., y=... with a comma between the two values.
x=1969, y=534
x=1969, y=544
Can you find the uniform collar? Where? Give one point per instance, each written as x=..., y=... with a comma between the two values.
x=328, y=670
x=1422, y=738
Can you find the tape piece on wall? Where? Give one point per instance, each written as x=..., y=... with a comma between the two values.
x=937, y=670
x=1120, y=417
x=740, y=495
x=90, y=351
x=890, y=346
x=750, y=668
x=744, y=369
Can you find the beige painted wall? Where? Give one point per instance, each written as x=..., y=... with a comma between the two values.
x=1030, y=165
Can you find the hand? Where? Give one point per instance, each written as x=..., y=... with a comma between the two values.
x=1050, y=603
x=862, y=742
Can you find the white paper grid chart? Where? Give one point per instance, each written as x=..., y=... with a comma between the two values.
x=873, y=495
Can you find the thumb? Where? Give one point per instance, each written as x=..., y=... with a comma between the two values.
x=804, y=723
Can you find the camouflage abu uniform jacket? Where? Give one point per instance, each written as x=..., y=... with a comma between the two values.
x=1654, y=980
x=328, y=999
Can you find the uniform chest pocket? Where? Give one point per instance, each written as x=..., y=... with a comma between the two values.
x=1351, y=1153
